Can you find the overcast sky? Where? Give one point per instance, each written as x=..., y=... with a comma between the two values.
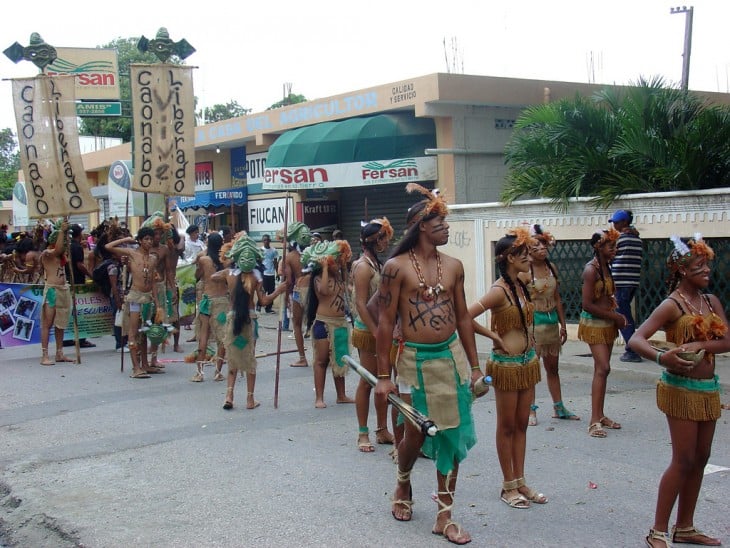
x=247, y=50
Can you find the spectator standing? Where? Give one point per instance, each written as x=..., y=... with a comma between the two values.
x=193, y=243
x=626, y=270
x=271, y=265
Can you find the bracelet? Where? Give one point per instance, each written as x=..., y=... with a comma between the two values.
x=658, y=357
x=475, y=368
x=384, y=376
x=563, y=328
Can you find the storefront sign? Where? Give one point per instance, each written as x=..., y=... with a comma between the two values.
x=96, y=71
x=355, y=174
x=320, y=215
x=267, y=216
x=203, y=176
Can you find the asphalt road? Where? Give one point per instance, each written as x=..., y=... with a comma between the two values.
x=90, y=457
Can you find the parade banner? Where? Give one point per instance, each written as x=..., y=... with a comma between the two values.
x=48, y=145
x=20, y=314
x=185, y=277
x=163, y=115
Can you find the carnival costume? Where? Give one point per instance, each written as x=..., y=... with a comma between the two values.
x=683, y=397
x=216, y=309
x=439, y=379
x=337, y=254
x=546, y=326
x=592, y=330
x=362, y=339
x=240, y=347
x=58, y=296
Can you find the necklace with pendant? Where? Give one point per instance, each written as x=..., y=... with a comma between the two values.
x=146, y=268
x=430, y=292
x=692, y=308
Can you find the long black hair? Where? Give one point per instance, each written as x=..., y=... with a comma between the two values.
x=215, y=242
x=369, y=245
x=502, y=249
x=241, y=303
x=595, y=239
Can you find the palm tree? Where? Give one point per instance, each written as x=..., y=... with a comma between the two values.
x=646, y=137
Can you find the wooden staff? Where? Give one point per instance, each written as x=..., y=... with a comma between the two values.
x=282, y=306
x=74, y=313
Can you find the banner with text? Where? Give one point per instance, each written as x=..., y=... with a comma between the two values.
x=163, y=118
x=20, y=314
x=48, y=144
x=354, y=174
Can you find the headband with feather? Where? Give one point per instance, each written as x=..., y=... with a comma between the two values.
x=435, y=203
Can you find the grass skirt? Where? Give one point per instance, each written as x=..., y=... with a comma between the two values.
x=688, y=399
x=513, y=373
x=596, y=330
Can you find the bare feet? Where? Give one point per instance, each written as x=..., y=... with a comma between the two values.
x=319, y=404
x=301, y=362
x=250, y=402
x=345, y=399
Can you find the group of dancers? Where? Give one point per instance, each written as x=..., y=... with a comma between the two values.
x=414, y=330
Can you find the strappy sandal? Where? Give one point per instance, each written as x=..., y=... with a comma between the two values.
x=596, y=430
x=531, y=495
x=403, y=477
x=228, y=404
x=610, y=423
x=363, y=441
x=657, y=535
x=682, y=535
x=562, y=413
x=64, y=359
x=198, y=377
x=446, y=507
x=532, y=421
x=517, y=499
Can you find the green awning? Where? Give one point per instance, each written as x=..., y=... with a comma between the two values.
x=381, y=137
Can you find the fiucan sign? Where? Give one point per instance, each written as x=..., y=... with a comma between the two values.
x=354, y=174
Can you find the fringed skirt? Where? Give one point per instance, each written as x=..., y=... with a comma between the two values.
x=596, y=330
x=547, y=333
x=688, y=399
x=513, y=373
x=362, y=339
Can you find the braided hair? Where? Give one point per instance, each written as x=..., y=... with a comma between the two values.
x=548, y=241
x=596, y=244
x=502, y=250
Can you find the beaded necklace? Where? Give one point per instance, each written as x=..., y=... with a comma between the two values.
x=430, y=292
x=691, y=307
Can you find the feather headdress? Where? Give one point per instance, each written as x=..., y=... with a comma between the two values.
x=521, y=238
x=542, y=236
x=435, y=203
x=684, y=252
x=385, y=231
x=610, y=235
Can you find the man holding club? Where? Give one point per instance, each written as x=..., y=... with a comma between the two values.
x=424, y=289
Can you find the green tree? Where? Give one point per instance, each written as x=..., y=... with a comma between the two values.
x=9, y=163
x=291, y=99
x=643, y=138
x=218, y=113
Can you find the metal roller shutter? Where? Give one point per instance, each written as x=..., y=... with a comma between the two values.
x=364, y=204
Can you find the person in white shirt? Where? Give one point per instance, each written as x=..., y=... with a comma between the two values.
x=193, y=244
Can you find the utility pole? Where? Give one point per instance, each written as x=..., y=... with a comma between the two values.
x=689, y=12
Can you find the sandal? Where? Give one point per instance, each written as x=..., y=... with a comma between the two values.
x=228, y=404
x=596, y=430
x=531, y=495
x=198, y=377
x=692, y=535
x=657, y=535
x=45, y=360
x=363, y=441
x=446, y=507
x=532, y=421
x=64, y=359
x=253, y=404
x=562, y=413
x=383, y=437
x=611, y=424
x=407, y=505
x=516, y=500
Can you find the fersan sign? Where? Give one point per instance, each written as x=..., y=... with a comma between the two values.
x=96, y=71
x=355, y=174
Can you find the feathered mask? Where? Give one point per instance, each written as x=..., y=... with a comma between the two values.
x=156, y=221
x=434, y=203
x=542, y=236
x=610, y=235
x=299, y=234
x=337, y=253
x=385, y=231
x=684, y=252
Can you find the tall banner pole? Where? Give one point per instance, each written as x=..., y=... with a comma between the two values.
x=74, y=313
x=282, y=306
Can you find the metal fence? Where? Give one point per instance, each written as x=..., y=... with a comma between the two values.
x=570, y=257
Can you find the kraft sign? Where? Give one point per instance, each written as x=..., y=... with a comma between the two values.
x=355, y=174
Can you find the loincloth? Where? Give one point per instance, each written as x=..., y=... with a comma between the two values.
x=299, y=295
x=140, y=302
x=338, y=329
x=688, y=399
x=241, y=348
x=362, y=339
x=513, y=373
x=58, y=297
x=439, y=380
x=546, y=329
x=216, y=309
x=596, y=330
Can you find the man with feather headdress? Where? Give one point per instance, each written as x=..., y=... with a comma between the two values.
x=424, y=290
